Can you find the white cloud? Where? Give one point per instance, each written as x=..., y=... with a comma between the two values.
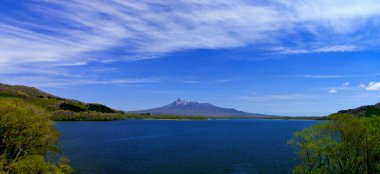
x=333, y=91
x=79, y=31
x=346, y=84
x=372, y=86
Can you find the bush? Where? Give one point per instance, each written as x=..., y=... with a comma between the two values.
x=62, y=115
x=27, y=136
x=31, y=164
x=346, y=145
x=71, y=107
x=100, y=108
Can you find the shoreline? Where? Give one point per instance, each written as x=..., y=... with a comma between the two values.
x=205, y=119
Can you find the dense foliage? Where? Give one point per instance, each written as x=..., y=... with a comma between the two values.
x=100, y=108
x=98, y=116
x=78, y=107
x=71, y=107
x=66, y=115
x=27, y=136
x=65, y=109
x=345, y=145
x=363, y=111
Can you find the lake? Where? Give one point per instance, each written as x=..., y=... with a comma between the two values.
x=186, y=147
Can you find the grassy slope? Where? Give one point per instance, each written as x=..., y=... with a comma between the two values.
x=66, y=109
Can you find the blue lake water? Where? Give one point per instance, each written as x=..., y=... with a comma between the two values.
x=186, y=147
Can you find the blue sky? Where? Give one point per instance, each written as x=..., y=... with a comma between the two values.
x=287, y=57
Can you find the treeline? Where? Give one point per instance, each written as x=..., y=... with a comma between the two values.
x=164, y=117
x=78, y=107
x=27, y=138
x=363, y=111
x=65, y=115
x=346, y=144
x=294, y=118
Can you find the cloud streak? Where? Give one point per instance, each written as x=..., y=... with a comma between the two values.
x=316, y=76
x=59, y=82
x=142, y=28
x=324, y=49
x=279, y=97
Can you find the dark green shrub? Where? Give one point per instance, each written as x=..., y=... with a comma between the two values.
x=71, y=107
x=100, y=108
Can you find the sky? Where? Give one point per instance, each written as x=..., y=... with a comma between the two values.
x=283, y=57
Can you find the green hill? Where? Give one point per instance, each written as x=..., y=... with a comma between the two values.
x=62, y=109
x=364, y=111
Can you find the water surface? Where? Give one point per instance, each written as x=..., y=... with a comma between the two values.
x=188, y=147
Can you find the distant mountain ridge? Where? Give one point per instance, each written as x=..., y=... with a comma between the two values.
x=192, y=108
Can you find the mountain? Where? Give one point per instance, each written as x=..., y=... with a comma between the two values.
x=364, y=111
x=191, y=108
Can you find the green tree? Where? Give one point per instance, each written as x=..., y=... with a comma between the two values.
x=27, y=135
x=346, y=144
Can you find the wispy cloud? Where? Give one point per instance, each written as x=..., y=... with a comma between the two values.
x=67, y=32
x=324, y=49
x=332, y=76
x=190, y=81
x=319, y=76
x=208, y=81
x=280, y=97
x=58, y=81
x=224, y=80
x=72, y=64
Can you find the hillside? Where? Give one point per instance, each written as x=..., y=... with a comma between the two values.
x=60, y=108
x=364, y=111
x=192, y=108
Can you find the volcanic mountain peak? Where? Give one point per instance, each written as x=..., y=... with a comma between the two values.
x=183, y=107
